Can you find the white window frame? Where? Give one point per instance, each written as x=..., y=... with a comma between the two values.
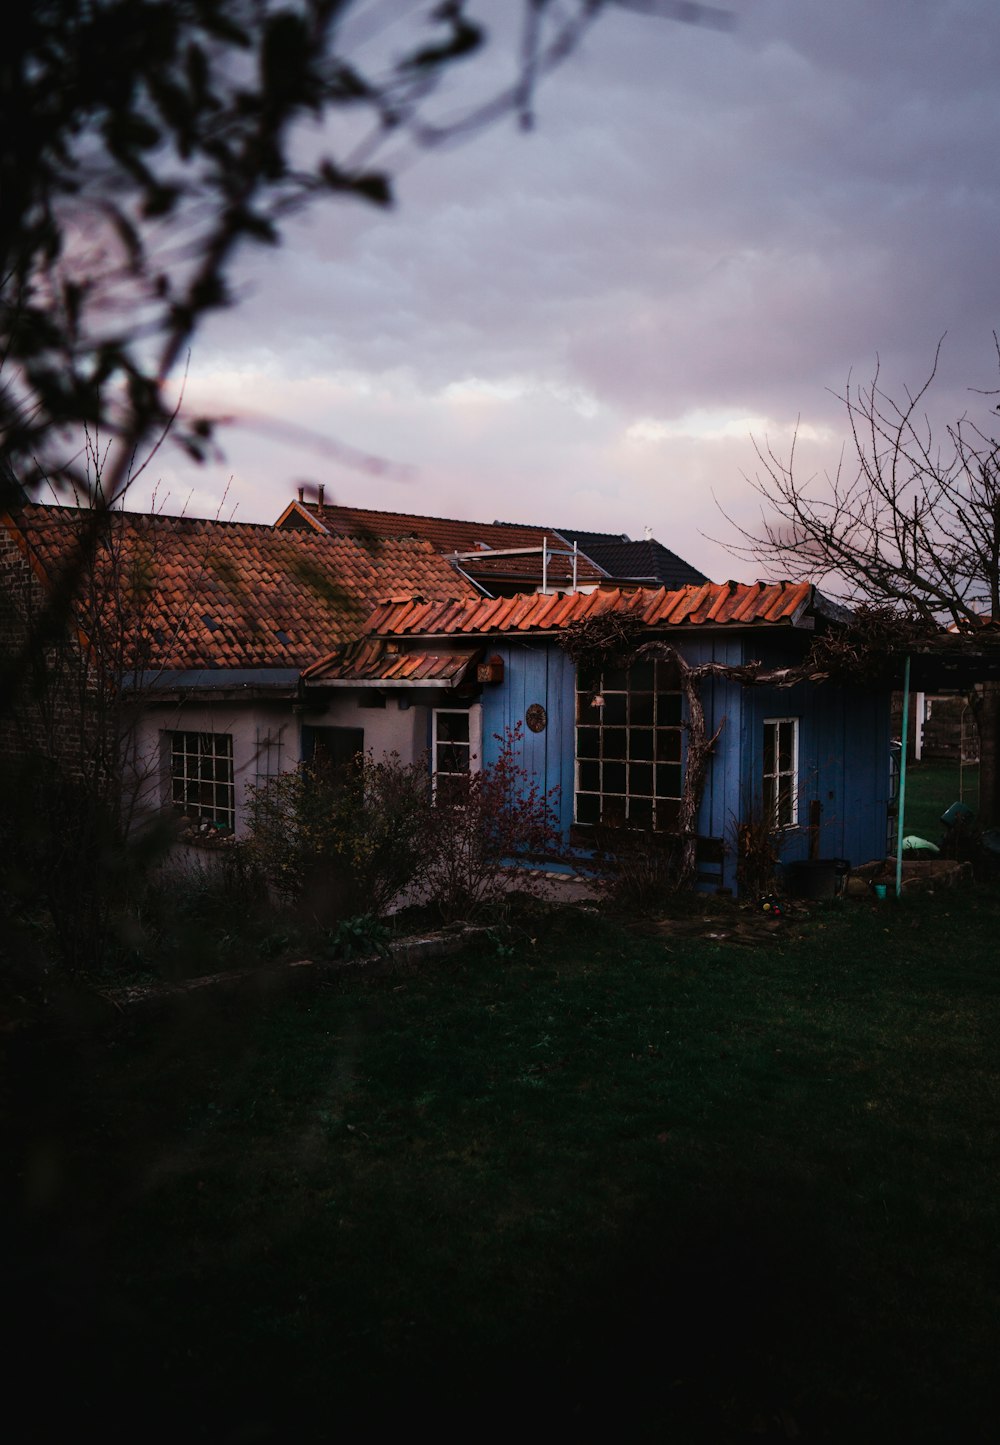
x=474, y=714
x=791, y=773
x=188, y=772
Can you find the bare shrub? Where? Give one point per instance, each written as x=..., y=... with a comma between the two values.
x=502, y=819
x=328, y=837
x=757, y=849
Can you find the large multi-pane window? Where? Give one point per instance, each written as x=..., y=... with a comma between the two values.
x=201, y=777
x=781, y=771
x=628, y=746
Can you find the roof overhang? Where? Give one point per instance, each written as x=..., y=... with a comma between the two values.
x=948, y=666
x=373, y=663
x=381, y=683
x=234, y=683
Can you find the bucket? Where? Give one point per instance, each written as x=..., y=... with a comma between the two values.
x=817, y=877
x=881, y=890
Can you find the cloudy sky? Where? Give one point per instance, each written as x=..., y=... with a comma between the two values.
x=704, y=234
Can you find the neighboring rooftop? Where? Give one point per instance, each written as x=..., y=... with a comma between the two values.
x=206, y=594
x=448, y=535
x=647, y=562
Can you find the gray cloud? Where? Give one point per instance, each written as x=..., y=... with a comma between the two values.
x=705, y=231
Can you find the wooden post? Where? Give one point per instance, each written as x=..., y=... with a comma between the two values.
x=815, y=813
x=985, y=703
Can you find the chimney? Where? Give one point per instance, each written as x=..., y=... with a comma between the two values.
x=320, y=492
x=302, y=495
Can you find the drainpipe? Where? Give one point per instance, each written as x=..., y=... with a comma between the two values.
x=902, y=777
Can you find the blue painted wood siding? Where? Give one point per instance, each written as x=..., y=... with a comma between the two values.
x=843, y=765
x=724, y=702
x=843, y=742
x=536, y=672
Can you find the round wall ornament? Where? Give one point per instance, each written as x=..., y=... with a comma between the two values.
x=536, y=717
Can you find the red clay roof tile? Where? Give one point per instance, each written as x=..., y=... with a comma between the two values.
x=231, y=594
x=370, y=661
x=717, y=604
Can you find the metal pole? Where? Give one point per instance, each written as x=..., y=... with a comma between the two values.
x=902, y=778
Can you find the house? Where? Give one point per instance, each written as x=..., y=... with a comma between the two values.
x=198, y=632
x=505, y=558
x=647, y=563
x=814, y=757
x=500, y=558
x=251, y=648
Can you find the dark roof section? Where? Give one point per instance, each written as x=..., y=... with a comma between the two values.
x=196, y=594
x=647, y=562
x=448, y=535
x=584, y=540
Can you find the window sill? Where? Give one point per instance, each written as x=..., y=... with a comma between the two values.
x=210, y=839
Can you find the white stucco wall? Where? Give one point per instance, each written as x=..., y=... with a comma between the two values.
x=387, y=730
x=267, y=738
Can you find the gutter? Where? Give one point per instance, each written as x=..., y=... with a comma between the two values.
x=237, y=682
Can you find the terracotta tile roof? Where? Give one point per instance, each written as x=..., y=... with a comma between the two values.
x=204, y=594
x=371, y=661
x=447, y=535
x=730, y=604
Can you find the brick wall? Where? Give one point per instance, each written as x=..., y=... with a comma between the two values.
x=49, y=698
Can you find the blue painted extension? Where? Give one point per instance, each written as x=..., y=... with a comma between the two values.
x=843, y=782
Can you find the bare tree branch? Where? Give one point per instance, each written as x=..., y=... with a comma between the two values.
x=914, y=522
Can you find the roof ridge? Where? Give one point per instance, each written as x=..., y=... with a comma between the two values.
x=423, y=516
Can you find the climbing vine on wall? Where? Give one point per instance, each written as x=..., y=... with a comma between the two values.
x=612, y=640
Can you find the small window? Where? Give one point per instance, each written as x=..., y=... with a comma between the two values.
x=201, y=777
x=451, y=755
x=781, y=771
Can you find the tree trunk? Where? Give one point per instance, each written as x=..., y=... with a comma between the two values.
x=985, y=702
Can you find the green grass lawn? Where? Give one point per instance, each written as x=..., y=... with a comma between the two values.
x=931, y=788
x=617, y=1184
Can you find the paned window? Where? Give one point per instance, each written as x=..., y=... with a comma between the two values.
x=452, y=755
x=201, y=777
x=781, y=771
x=628, y=746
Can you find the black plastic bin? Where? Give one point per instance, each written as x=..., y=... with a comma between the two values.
x=816, y=877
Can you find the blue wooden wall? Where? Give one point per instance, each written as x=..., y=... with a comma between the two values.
x=724, y=703
x=843, y=764
x=536, y=672
x=843, y=741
